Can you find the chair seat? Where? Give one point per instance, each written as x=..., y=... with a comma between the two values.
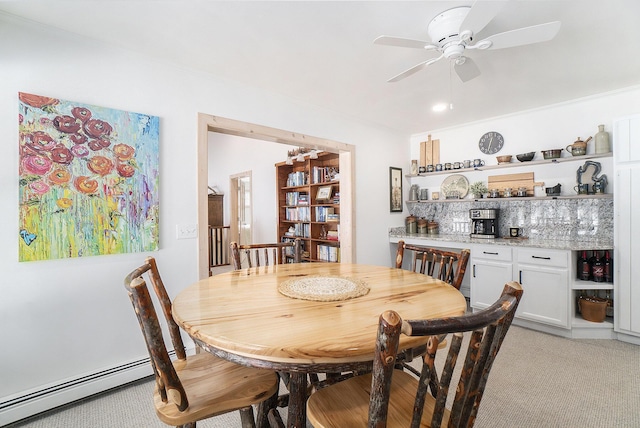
x=346, y=404
x=215, y=386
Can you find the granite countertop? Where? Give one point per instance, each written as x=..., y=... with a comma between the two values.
x=554, y=244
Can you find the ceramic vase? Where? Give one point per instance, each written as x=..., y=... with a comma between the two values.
x=602, y=140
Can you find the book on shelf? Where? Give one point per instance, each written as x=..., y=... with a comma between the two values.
x=297, y=198
x=333, y=217
x=323, y=213
x=297, y=178
x=324, y=174
x=297, y=214
x=328, y=253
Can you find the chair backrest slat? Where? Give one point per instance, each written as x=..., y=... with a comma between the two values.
x=268, y=254
x=447, y=266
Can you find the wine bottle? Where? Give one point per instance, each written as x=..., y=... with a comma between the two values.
x=597, y=269
x=608, y=267
x=584, y=270
x=609, y=309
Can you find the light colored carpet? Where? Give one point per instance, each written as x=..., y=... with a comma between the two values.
x=538, y=380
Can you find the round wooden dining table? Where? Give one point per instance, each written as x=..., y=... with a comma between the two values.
x=243, y=316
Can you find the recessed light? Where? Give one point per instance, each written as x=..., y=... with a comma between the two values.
x=440, y=107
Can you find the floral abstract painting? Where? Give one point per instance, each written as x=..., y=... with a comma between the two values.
x=88, y=180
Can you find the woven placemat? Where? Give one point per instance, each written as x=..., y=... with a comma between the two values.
x=323, y=288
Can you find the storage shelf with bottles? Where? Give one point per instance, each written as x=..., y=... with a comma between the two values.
x=600, y=263
x=516, y=164
x=308, y=200
x=594, y=269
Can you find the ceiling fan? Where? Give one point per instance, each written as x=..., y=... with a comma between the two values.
x=452, y=33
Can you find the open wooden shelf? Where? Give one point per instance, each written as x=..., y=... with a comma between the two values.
x=514, y=165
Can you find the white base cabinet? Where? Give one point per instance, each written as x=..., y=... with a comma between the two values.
x=543, y=274
x=550, y=288
x=491, y=268
x=545, y=279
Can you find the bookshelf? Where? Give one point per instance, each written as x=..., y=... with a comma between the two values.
x=308, y=203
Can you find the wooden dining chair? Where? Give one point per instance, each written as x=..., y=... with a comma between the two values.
x=447, y=266
x=250, y=255
x=194, y=387
x=387, y=397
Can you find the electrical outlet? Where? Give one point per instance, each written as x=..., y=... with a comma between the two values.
x=186, y=231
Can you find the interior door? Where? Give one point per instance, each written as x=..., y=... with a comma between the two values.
x=241, y=220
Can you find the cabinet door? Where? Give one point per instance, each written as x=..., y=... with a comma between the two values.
x=627, y=229
x=488, y=278
x=546, y=295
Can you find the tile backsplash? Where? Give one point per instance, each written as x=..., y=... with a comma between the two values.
x=567, y=219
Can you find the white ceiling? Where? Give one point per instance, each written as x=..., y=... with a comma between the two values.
x=322, y=52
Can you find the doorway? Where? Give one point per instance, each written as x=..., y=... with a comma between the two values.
x=208, y=123
x=241, y=205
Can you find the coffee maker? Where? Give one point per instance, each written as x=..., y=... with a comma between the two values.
x=484, y=223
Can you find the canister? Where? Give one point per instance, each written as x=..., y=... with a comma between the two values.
x=422, y=226
x=410, y=224
x=433, y=228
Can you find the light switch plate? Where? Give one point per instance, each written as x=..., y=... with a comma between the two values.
x=186, y=231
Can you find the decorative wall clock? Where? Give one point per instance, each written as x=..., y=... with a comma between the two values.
x=491, y=143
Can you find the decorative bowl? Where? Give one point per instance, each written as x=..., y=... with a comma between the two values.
x=551, y=154
x=525, y=157
x=504, y=159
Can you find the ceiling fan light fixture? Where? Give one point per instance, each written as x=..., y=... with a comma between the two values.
x=454, y=51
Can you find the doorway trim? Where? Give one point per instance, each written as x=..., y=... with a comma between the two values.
x=209, y=123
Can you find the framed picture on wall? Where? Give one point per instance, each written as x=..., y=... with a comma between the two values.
x=395, y=189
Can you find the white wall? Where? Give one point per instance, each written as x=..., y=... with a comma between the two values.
x=229, y=155
x=551, y=127
x=65, y=318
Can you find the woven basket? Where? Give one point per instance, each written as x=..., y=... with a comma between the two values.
x=593, y=309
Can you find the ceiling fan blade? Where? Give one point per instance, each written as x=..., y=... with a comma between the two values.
x=467, y=70
x=413, y=69
x=403, y=43
x=481, y=13
x=523, y=36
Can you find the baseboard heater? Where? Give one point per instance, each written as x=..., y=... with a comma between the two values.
x=30, y=403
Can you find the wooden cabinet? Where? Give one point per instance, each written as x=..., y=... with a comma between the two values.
x=308, y=203
x=216, y=211
x=626, y=141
